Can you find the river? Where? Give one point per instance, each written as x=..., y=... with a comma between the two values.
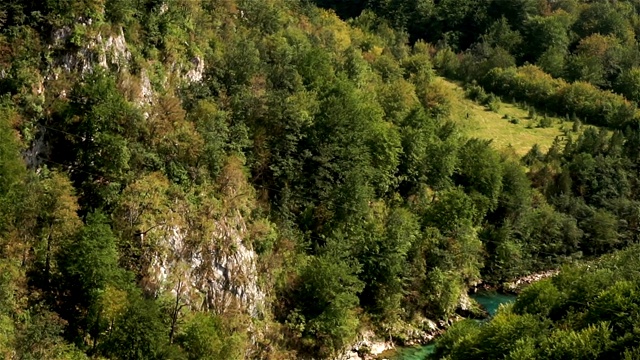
x=490, y=301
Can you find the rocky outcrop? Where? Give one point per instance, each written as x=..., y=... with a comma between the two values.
x=518, y=284
x=145, y=96
x=99, y=50
x=111, y=51
x=212, y=269
x=217, y=274
x=367, y=347
x=370, y=346
x=197, y=72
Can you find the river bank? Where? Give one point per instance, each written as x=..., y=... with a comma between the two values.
x=370, y=346
x=520, y=283
x=515, y=286
x=490, y=302
x=421, y=344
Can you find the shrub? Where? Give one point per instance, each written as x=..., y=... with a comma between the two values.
x=546, y=122
x=475, y=92
x=492, y=102
x=577, y=125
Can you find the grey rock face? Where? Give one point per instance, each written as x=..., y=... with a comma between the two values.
x=218, y=274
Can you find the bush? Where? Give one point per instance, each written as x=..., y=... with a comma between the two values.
x=475, y=92
x=492, y=102
x=577, y=125
x=546, y=122
x=447, y=62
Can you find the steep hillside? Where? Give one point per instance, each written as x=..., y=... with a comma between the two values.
x=229, y=179
x=578, y=60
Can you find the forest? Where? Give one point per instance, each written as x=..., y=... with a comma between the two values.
x=241, y=179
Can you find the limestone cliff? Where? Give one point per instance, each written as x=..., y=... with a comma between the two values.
x=214, y=270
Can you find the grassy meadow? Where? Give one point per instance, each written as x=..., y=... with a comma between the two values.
x=479, y=121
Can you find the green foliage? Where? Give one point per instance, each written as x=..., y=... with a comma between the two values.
x=500, y=34
x=475, y=92
x=546, y=122
x=138, y=333
x=8, y=289
x=627, y=84
x=452, y=207
x=587, y=311
x=447, y=62
x=40, y=338
x=554, y=60
x=383, y=257
x=326, y=298
x=88, y=266
x=543, y=33
x=547, y=232
x=539, y=298
x=324, y=146
x=605, y=19
x=480, y=172
x=588, y=343
x=595, y=59
x=11, y=168
x=492, y=102
x=208, y=337
x=429, y=151
x=445, y=290
x=577, y=125
x=101, y=122
x=459, y=341
x=529, y=83
x=212, y=124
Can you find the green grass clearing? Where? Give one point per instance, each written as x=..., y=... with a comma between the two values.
x=486, y=124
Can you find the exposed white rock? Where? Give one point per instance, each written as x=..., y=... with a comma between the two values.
x=197, y=72
x=115, y=50
x=163, y=8
x=112, y=51
x=146, y=90
x=218, y=274
x=83, y=60
x=529, y=279
x=39, y=87
x=60, y=36
x=369, y=346
x=465, y=303
x=98, y=50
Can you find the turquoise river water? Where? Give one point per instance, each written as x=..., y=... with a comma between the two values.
x=490, y=301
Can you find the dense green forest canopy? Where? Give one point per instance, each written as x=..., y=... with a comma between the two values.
x=589, y=46
x=228, y=179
